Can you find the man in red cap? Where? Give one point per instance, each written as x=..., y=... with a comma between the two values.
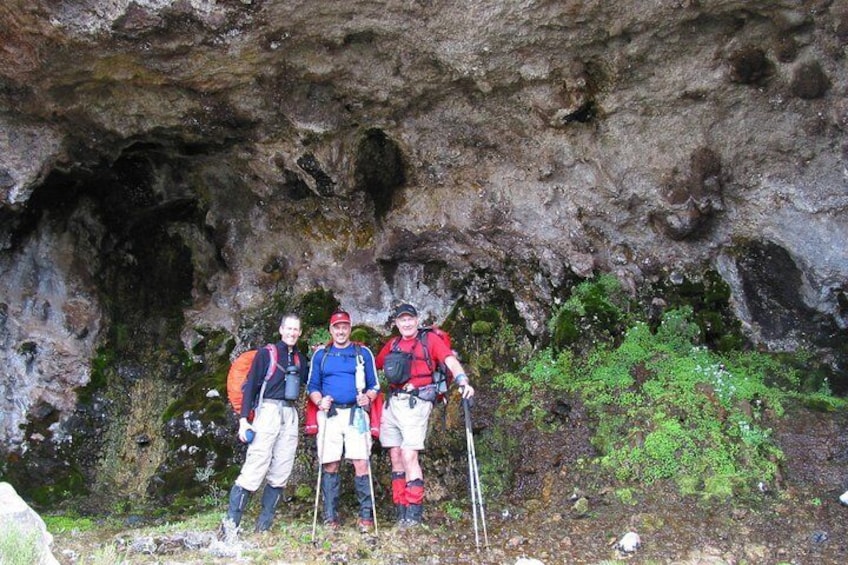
x=342, y=383
x=412, y=393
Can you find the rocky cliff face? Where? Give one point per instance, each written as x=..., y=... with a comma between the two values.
x=169, y=166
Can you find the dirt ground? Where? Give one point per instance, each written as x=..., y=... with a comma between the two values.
x=799, y=520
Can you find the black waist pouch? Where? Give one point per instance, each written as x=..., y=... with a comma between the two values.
x=397, y=366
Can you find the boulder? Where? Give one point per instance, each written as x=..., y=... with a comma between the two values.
x=18, y=520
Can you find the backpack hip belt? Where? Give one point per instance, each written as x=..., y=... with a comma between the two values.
x=427, y=393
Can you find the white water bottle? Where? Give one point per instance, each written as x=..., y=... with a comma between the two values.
x=360, y=373
x=359, y=422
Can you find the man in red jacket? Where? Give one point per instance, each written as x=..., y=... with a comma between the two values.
x=408, y=364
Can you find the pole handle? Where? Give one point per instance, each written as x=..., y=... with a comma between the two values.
x=467, y=403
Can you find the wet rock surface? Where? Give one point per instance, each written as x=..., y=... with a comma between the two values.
x=518, y=138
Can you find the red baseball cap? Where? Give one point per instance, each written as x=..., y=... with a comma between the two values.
x=339, y=318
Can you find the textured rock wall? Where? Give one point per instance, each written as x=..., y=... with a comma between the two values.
x=426, y=151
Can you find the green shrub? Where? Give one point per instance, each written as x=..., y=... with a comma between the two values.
x=702, y=412
x=626, y=496
x=320, y=336
x=597, y=310
x=542, y=373
x=667, y=408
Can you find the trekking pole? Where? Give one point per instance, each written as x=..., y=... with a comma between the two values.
x=471, y=485
x=371, y=483
x=479, y=493
x=474, y=479
x=359, y=383
x=318, y=484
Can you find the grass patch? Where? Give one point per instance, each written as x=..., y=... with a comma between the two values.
x=62, y=523
x=18, y=547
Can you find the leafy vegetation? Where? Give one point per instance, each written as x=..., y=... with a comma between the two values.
x=665, y=407
x=542, y=373
x=596, y=311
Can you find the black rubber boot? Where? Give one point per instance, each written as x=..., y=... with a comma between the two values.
x=330, y=488
x=238, y=502
x=270, y=498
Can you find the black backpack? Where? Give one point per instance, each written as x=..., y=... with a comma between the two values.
x=397, y=365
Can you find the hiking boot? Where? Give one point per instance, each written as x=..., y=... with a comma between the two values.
x=365, y=525
x=414, y=515
x=400, y=513
x=228, y=532
x=332, y=524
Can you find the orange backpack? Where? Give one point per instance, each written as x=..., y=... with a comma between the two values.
x=237, y=375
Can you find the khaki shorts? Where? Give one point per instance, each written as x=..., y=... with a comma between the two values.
x=403, y=426
x=336, y=435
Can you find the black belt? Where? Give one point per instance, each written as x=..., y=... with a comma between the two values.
x=331, y=413
x=339, y=405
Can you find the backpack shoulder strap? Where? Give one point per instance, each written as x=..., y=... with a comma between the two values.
x=357, y=349
x=272, y=366
x=422, y=337
x=324, y=351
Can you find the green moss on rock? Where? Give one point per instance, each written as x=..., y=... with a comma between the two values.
x=482, y=327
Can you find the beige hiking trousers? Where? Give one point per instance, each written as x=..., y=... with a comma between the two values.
x=271, y=454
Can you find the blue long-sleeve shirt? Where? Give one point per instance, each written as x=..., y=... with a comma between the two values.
x=335, y=376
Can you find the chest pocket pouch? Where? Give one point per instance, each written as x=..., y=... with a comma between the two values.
x=397, y=366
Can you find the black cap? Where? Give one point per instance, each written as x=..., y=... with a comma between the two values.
x=406, y=309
